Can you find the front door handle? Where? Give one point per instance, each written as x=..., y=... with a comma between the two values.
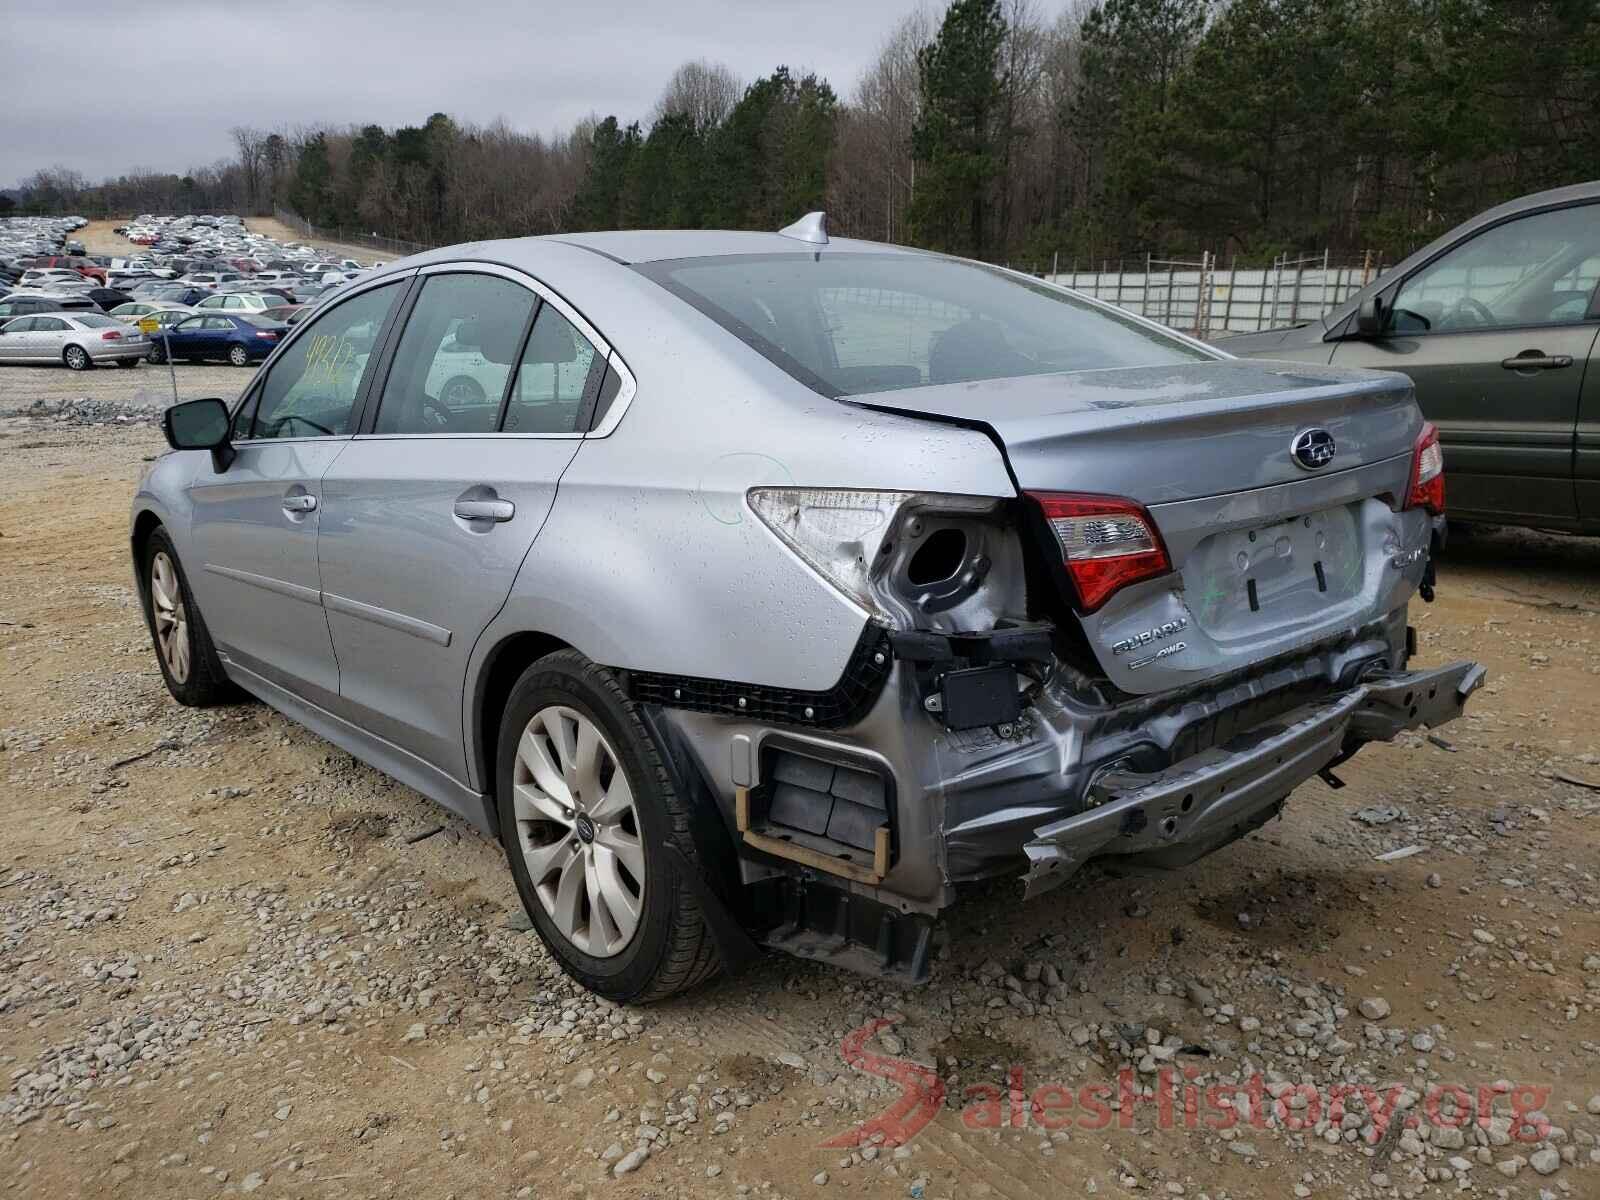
x=1535, y=360
x=299, y=504
x=485, y=510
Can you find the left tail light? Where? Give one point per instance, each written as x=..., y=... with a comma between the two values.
x=1106, y=543
x=1427, y=472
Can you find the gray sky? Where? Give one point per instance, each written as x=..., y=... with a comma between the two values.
x=107, y=87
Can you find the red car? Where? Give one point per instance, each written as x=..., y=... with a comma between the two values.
x=74, y=262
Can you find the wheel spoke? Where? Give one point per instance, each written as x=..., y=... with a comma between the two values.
x=542, y=860
x=566, y=908
x=615, y=840
x=560, y=730
x=616, y=803
x=534, y=757
x=620, y=903
x=586, y=766
x=602, y=929
x=529, y=803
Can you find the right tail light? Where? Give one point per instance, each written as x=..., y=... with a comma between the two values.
x=1427, y=472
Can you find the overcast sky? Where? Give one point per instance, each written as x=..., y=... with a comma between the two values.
x=104, y=88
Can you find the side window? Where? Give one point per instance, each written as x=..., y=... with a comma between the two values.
x=48, y=325
x=19, y=325
x=458, y=349
x=1535, y=270
x=311, y=389
x=245, y=415
x=553, y=377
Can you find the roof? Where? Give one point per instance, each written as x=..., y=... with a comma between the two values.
x=653, y=245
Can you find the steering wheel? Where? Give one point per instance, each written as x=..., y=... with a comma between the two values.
x=281, y=422
x=1477, y=307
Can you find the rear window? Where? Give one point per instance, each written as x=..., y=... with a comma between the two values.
x=96, y=321
x=848, y=324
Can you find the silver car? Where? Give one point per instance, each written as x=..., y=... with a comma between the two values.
x=767, y=588
x=77, y=339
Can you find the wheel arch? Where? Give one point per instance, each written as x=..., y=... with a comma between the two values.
x=144, y=524
x=498, y=673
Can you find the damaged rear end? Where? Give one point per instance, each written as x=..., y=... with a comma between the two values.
x=1196, y=603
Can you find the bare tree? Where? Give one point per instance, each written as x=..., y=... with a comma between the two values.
x=875, y=158
x=705, y=91
x=251, y=144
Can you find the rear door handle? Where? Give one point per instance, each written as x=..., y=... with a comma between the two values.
x=485, y=510
x=1533, y=360
x=299, y=504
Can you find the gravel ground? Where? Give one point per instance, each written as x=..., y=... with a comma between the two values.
x=235, y=961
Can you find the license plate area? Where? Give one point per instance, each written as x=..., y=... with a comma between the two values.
x=1293, y=569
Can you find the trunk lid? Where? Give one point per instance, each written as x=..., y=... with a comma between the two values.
x=1269, y=556
x=1160, y=434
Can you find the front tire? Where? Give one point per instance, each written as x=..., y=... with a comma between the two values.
x=586, y=811
x=157, y=355
x=76, y=358
x=184, y=652
x=239, y=356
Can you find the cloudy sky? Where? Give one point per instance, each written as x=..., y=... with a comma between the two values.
x=108, y=87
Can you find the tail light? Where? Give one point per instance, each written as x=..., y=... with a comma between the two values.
x=1427, y=472
x=1106, y=543
x=269, y=334
x=111, y=335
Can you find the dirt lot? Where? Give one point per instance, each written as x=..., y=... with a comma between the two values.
x=233, y=960
x=98, y=237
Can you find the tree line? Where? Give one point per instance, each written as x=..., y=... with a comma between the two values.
x=993, y=129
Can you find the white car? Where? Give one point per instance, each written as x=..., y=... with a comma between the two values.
x=239, y=302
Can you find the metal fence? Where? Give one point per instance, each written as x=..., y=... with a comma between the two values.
x=1203, y=297
x=398, y=247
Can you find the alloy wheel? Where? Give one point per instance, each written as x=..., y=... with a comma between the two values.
x=239, y=356
x=172, y=621
x=578, y=830
x=77, y=359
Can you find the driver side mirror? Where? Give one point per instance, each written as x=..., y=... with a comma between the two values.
x=200, y=425
x=1370, y=317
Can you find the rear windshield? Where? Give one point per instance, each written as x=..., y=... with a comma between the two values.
x=848, y=324
x=96, y=321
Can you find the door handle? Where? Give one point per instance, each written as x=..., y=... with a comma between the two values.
x=299, y=504
x=485, y=510
x=1533, y=360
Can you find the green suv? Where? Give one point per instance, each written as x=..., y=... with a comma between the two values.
x=1495, y=323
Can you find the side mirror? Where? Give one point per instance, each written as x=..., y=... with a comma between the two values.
x=1370, y=317
x=200, y=425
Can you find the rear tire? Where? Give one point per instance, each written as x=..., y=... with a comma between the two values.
x=239, y=356
x=567, y=832
x=76, y=358
x=182, y=643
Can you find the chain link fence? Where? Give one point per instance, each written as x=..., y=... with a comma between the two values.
x=395, y=247
x=1203, y=297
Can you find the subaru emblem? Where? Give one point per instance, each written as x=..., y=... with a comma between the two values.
x=1312, y=448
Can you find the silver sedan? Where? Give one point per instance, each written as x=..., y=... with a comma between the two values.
x=80, y=340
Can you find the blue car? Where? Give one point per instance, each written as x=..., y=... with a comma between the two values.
x=241, y=338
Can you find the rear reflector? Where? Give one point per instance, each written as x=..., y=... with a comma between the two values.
x=1427, y=472
x=1106, y=543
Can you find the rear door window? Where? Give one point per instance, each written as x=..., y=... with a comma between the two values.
x=456, y=355
x=558, y=372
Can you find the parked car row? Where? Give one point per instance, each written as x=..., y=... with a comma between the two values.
x=214, y=289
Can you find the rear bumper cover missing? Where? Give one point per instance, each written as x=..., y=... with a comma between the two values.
x=1207, y=800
